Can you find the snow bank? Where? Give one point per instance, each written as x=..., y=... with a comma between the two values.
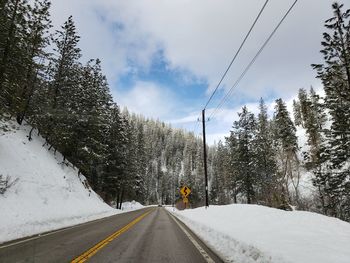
x=130, y=206
x=252, y=233
x=45, y=194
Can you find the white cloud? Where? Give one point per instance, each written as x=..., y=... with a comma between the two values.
x=104, y=38
x=147, y=99
x=202, y=35
x=199, y=38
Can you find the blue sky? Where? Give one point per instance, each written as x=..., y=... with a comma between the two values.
x=176, y=84
x=187, y=89
x=163, y=58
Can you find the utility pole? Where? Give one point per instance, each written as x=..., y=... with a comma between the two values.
x=205, y=160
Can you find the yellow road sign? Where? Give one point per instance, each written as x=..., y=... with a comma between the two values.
x=185, y=200
x=185, y=191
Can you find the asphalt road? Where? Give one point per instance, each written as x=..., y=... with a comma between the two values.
x=147, y=235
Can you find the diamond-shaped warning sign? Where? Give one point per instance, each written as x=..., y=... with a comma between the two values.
x=185, y=191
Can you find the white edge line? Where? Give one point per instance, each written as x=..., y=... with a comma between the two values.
x=195, y=243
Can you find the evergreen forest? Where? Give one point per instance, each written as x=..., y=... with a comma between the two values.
x=124, y=156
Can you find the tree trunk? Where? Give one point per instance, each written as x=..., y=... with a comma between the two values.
x=117, y=206
x=121, y=198
x=30, y=134
x=248, y=187
x=322, y=201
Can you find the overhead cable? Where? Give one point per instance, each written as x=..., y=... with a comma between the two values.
x=235, y=56
x=228, y=94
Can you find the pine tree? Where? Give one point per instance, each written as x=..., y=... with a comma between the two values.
x=198, y=186
x=220, y=173
x=13, y=30
x=335, y=76
x=116, y=159
x=314, y=124
x=298, y=120
x=333, y=182
x=130, y=175
x=140, y=186
x=266, y=167
x=213, y=176
x=90, y=105
x=244, y=131
x=318, y=109
x=232, y=169
x=65, y=71
x=35, y=42
x=287, y=144
x=304, y=105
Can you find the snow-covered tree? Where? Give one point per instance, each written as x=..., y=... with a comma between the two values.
x=244, y=132
x=334, y=181
x=288, y=162
x=266, y=167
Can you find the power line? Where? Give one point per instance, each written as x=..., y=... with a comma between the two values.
x=235, y=56
x=252, y=61
x=196, y=125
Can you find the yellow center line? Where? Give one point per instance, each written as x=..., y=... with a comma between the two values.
x=92, y=251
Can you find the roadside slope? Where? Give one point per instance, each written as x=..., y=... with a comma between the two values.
x=45, y=194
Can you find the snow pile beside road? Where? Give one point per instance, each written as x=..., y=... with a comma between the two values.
x=130, y=206
x=45, y=194
x=252, y=233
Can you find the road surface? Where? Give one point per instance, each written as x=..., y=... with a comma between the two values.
x=146, y=235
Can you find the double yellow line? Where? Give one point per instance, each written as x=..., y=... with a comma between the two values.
x=92, y=251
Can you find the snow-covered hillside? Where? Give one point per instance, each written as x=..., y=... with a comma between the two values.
x=45, y=194
x=258, y=234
